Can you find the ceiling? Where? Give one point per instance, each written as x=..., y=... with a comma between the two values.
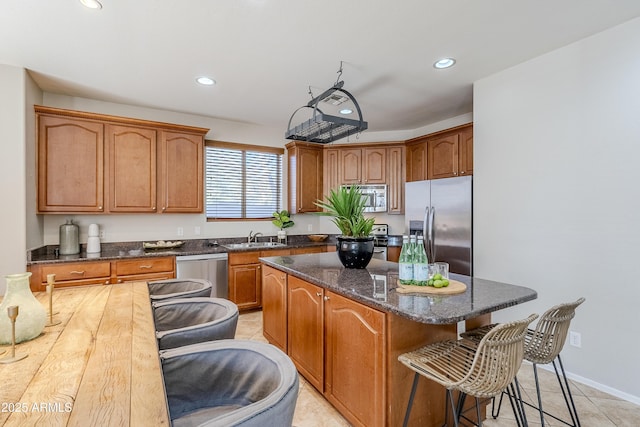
x=266, y=54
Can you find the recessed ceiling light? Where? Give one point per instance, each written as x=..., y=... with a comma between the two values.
x=444, y=63
x=206, y=81
x=91, y=4
x=346, y=111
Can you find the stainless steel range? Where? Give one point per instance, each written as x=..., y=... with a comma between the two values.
x=380, y=233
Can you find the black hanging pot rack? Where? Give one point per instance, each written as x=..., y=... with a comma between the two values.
x=324, y=128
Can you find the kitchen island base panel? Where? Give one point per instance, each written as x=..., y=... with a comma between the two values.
x=406, y=335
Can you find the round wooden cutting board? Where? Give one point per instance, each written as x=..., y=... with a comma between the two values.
x=454, y=287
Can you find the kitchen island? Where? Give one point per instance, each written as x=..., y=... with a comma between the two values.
x=345, y=328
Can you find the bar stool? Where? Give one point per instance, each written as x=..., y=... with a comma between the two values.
x=179, y=288
x=230, y=383
x=543, y=346
x=186, y=321
x=482, y=371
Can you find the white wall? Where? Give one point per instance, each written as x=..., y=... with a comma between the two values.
x=557, y=196
x=12, y=172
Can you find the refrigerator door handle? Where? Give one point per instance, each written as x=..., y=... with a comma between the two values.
x=425, y=223
x=425, y=230
x=432, y=237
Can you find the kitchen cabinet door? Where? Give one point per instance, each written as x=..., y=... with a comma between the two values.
x=465, y=152
x=70, y=274
x=274, y=307
x=144, y=269
x=306, y=339
x=451, y=154
x=374, y=166
x=332, y=177
x=395, y=180
x=417, y=161
x=70, y=165
x=355, y=363
x=443, y=156
x=181, y=172
x=132, y=168
x=305, y=176
x=245, y=286
x=350, y=166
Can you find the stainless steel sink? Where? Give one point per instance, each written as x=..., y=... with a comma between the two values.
x=246, y=245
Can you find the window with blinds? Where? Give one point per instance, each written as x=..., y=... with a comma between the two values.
x=242, y=181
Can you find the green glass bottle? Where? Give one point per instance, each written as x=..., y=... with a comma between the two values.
x=420, y=264
x=405, y=273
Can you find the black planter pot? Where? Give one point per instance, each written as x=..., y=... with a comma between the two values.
x=355, y=252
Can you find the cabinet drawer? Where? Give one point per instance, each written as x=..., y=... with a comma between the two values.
x=76, y=271
x=244, y=258
x=144, y=266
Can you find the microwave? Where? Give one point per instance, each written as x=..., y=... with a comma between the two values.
x=375, y=197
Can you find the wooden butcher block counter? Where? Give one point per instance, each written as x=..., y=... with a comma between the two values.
x=98, y=367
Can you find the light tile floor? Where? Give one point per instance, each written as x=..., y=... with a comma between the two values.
x=595, y=408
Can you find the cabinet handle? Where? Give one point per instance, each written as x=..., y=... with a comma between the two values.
x=146, y=266
x=100, y=208
x=326, y=298
x=318, y=294
x=164, y=208
x=153, y=207
x=77, y=272
x=462, y=173
x=119, y=280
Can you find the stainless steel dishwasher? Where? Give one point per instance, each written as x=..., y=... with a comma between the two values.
x=212, y=267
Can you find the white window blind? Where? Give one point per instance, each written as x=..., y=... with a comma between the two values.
x=242, y=182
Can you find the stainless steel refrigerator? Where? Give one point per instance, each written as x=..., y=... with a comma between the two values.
x=441, y=210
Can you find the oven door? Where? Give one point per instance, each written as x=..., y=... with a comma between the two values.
x=380, y=252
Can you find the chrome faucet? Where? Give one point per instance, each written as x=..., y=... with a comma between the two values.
x=253, y=237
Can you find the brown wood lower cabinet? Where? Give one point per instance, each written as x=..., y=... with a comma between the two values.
x=306, y=344
x=102, y=272
x=354, y=359
x=349, y=351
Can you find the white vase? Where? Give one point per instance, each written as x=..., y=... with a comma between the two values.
x=282, y=236
x=31, y=314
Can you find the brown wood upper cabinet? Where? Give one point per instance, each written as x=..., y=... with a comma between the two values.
x=305, y=176
x=372, y=164
x=70, y=165
x=362, y=166
x=451, y=154
x=97, y=163
x=441, y=155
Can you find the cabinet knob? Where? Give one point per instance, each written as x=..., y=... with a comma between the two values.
x=326, y=298
x=318, y=294
x=100, y=207
x=153, y=207
x=462, y=173
x=164, y=208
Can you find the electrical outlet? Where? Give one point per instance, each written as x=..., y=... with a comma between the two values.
x=196, y=231
x=309, y=227
x=180, y=231
x=101, y=234
x=575, y=339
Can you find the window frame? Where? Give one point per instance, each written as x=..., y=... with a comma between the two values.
x=244, y=148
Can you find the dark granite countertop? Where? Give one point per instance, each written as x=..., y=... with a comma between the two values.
x=123, y=250
x=325, y=270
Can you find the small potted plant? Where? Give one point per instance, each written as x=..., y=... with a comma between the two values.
x=346, y=206
x=282, y=220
